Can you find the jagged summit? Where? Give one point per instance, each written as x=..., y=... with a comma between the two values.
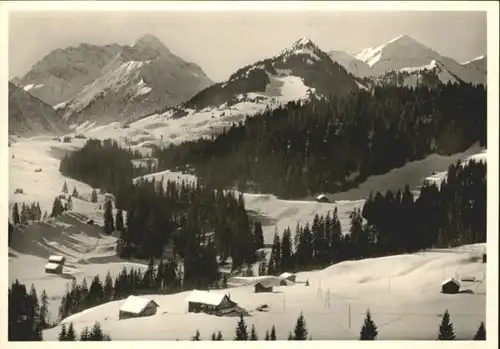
x=403, y=39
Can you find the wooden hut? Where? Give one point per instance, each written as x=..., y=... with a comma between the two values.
x=322, y=198
x=53, y=268
x=57, y=259
x=262, y=286
x=213, y=303
x=450, y=286
x=137, y=307
x=288, y=276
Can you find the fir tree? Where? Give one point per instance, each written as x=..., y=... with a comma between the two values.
x=219, y=336
x=196, y=337
x=300, y=331
x=70, y=334
x=75, y=192
x=63, y=335
x=481, y=333
x=119, y=219
x=65, y=188
x=96, y=333
x=15, y=214
x=84, y=335
x=369, y=330
x=253, y=334
x=267, y=335
x=273, y=333
x=108, y=218
x=93, y=196
x=241, y=330
x=290, y=336
x=446, y=331
x=44, y=310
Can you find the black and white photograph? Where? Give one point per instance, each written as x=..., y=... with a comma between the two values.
x=228, y=171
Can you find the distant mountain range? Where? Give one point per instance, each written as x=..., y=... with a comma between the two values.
x=103, y=84
x=406, y=55
x=29, y=116
x=113, y=83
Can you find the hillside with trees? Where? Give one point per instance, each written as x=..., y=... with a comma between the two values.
x=332, y=145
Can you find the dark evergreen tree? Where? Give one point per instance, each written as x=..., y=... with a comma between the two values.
x=63, y=334
x=196, y=337
x=253, y=334
x=93, y=196
x=119, y=220
x=241, y=330
x=273, y=333
x=300, y=330
x=446, y=331
x=70, y=334
x=109, y=225
x=57, y=208
x=75, y=192
x=267, y=336
x=65, y=188
x=219, y=336
x=44, y=310
x=15, y=214
x=481, y=333
x=369, y=330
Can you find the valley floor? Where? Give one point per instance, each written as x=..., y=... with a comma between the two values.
x=402, y=292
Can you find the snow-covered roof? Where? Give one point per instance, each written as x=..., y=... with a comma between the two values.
x=450, y=280
x=321, y=196
x=52, y=266
x=56, y=259
x=135, y=304
x=205, y=297
x=286, y=275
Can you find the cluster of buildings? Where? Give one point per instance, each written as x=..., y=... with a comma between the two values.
x=212, y=303
x=55, y=265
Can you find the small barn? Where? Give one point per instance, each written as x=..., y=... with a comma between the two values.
x=90, y=222
x=53, y=268
x=450, y=286
x=137, y=307
x=322, y=198
x=262, y=286
x=288, y=277
x=57, y=259
x=212, y=303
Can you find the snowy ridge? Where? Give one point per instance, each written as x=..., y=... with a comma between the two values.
x=405, y=53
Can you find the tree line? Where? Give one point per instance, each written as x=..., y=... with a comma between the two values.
x=101, y=164
x=331, y=145
x=164, y=278
x=369, y=330
x=451, y=214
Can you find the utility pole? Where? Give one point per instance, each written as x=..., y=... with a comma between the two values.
x=349, y=316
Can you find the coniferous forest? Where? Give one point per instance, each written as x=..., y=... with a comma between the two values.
x=390, y=223
x=331, y=145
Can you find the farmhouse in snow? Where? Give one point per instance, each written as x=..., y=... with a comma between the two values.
x=55, y=264
x=287, y=277
x=53, y=268
x=213, y=303
x=137, y=307
x=450, y=286
x=322, y=198
x=263, y=286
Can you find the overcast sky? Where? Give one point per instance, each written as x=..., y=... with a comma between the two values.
x=222, y=42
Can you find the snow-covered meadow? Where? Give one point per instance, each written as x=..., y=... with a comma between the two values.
x=402, y=292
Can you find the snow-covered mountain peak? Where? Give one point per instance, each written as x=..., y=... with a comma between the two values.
x=150, y=41
x=403, y=39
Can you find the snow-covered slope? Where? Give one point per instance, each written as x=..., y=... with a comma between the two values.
x=405, y=52
x=402, y=293
x=141, y=78
x=350, y=63
x=294, y=73
x=29, y=116
x=64, y=72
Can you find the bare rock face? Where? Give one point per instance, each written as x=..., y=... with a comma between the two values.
x=29, y=116
x=110, y=83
